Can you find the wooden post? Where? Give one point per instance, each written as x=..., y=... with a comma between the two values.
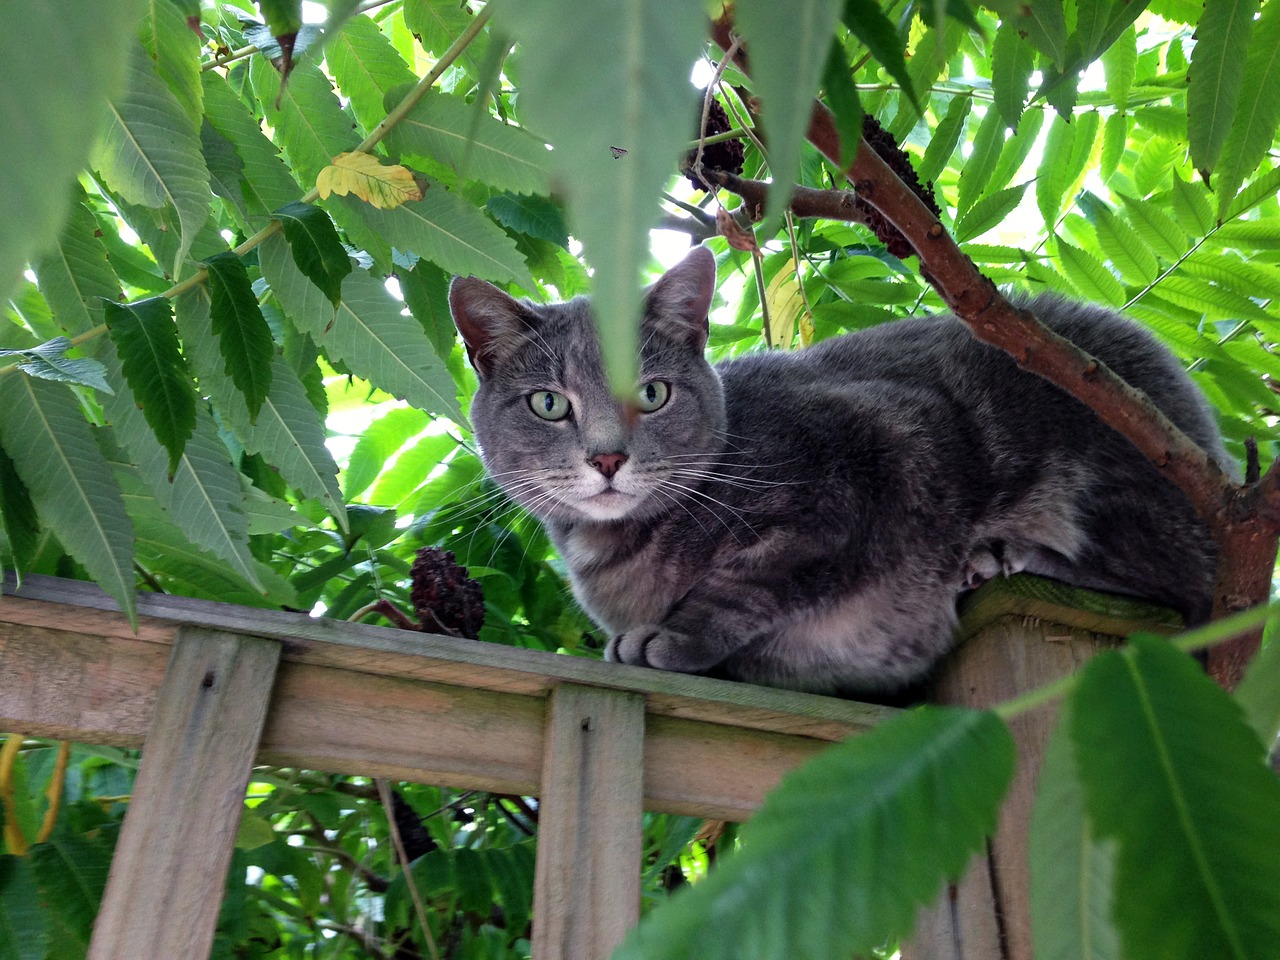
x=170, y=866
x=1017, y=634
x=587, y=879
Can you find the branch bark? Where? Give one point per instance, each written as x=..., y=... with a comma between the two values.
x=1243, y=519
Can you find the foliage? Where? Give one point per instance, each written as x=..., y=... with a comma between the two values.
x=216, y=382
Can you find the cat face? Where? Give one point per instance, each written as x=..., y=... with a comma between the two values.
x=551, y=432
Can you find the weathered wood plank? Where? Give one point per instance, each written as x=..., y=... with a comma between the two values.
x=83, y=608
x=170, y=865
x=72, y=686
x=1005, y=653
x=587, y=880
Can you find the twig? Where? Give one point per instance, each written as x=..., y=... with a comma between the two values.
x=384, y=794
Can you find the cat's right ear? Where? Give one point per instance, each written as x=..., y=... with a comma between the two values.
x=491, y=322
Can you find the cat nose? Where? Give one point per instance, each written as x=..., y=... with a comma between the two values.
x=608, y=463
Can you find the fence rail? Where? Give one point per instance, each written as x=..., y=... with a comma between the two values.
x=210, y=689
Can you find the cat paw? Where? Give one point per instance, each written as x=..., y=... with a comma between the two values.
x=982, y=565
x=992, y=560
x=651, y=645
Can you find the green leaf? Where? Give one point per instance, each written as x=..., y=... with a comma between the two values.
x=283, y=16
x=18, y=517
x=1263, y=187
x=536, y=216
x=72, y=873
x=975, y=176
x=50, y=362
x=988, y=212
x=1185, y=793
x=1257, y=110
x=149, y=153
x=1072, y=873
x=847, y=847
x=426, y=293
x=945, y=138
x=1156, y=228
x=287, y=432
x=1119, y=243
x=452, y=233
x=174, y=48
x=367, y=67
x=1041, y=21
x=172, y=558
x=379, y=441
x=1157, y=157
x=1216, y=76
x=315, y=247
x=436, y=24
x=367, y=333
x=1066, y=154
x=1115, y=137
x=372, y=338
x=639, y=57
x=45, y=434
x=1247, y=278
x=1259, y=692
x=309, y=123
x=147, y=343
x=59, y=73
x=23, y=926
x=1012, y=61
x=445, y=128
x=203, y=498
x=1218, y=303
x=1016, y=149
x=1191, y=206
x=75, y=276
x=1120, y=62
x=412, y=467
x=868, y=23
x=244, y=338
x=265, y=182
x=842, y=98
x=1087, y=274
x=1244, y=235
x=789, y=43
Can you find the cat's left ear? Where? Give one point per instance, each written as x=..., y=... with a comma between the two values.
x=491, y=322
x=679, y=301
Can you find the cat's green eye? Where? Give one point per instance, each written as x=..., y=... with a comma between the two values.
x=652, y=395
x=549, y=405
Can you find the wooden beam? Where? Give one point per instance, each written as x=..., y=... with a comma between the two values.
x=80, y=607
x=89, y=678
x=1020, y=634
x=170, y=866
x=586, y=893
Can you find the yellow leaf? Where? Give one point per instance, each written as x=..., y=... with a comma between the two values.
x=786, y=308
x=386, y=186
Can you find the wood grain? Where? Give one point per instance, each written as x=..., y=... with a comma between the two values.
x=102, y=688
x=587, y=878
x=82, y=608
x=170, y=865
x=988, y=914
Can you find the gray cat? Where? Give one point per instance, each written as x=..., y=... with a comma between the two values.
x=807, y=519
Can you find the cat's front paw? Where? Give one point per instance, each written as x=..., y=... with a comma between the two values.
x=651, y=645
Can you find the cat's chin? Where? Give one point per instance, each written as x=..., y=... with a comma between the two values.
x=609, y=505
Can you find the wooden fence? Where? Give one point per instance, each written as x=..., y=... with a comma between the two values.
x=213, y=689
